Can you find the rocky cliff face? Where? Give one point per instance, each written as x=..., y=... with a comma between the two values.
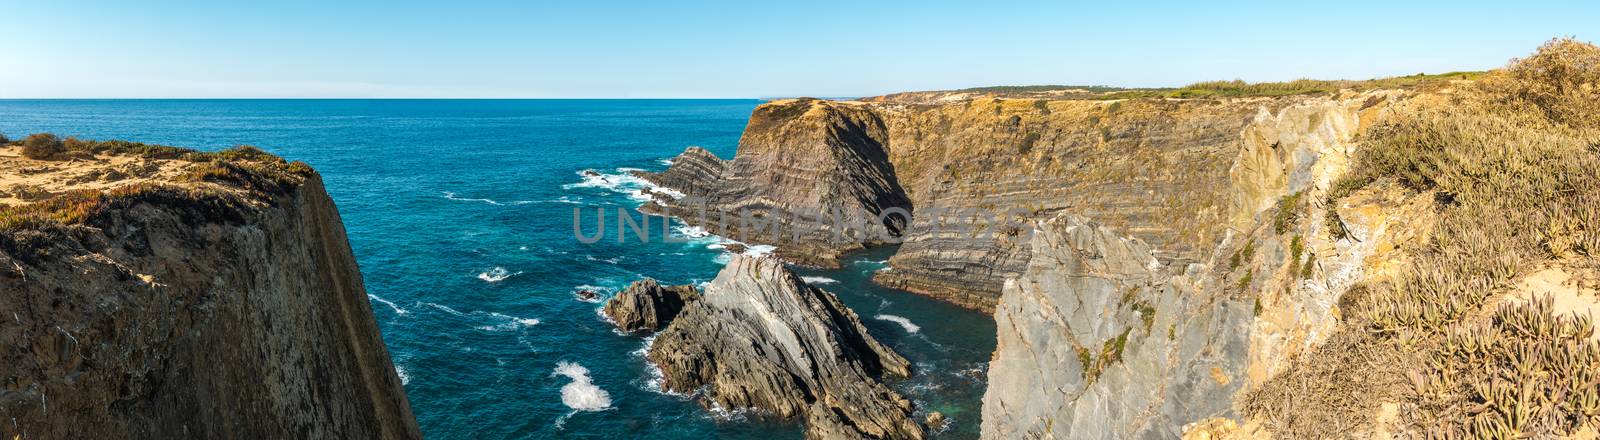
x=1151, y=345
x=1099, y=339
x=811, y=177
x=190, y=299
x=980, y=172
x=976, y=173
x=761, y=338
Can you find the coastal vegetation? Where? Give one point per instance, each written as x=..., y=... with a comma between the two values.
x=211, y=183
x=42, y=146
x=1512, y=168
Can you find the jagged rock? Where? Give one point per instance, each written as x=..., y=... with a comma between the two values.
x=811, y=177
x=1159, y=170
x=761, y=338
x=648, y=306
x=935, y=421
x=587, y=295
x=205, y=311
x=734, y=248
x=1098, y=341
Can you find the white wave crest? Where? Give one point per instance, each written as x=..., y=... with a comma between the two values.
x=496, y=275
x=624, y=182
x=904, y=323
x=667, y=162
x=445, y=308
x=819, y=280
x=391, y=304
x=508, y=323
x=453, y=196
x=759, y=250
x=581, y=394
x=501, y=322
x=400, y=370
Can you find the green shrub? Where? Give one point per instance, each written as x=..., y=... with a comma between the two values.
x=1287, y=214
x=43, y=146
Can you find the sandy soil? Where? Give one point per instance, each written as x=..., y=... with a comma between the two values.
x=24, y=181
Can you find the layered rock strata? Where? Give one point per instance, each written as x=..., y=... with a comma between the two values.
x=196, y=298
x=761, y=338
x=648, y=306
x=1101, y=338
x=811, y=177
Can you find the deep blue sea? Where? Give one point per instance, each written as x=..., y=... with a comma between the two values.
x=460, y=213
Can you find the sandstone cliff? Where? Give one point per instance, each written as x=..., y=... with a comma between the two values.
x=811, y=177
x=160, y=293
x=1151, y=345
x=761, y=338
x=1395, y=263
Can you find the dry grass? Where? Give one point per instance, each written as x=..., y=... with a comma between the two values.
x=1241, y=89
x=1513, y=166
x=242, y=169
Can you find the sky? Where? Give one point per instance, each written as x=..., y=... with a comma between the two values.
x=743, y=49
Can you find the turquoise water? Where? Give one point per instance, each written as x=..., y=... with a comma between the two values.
x=460, y=214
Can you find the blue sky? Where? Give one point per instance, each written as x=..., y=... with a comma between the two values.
x=649, y=49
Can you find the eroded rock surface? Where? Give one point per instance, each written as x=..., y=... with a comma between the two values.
x=761, y=338
x=648, y=306
x=1098, y=341
x=191, y=308
x=812, y=177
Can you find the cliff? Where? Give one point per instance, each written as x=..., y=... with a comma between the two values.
x=1309, y=259
x=811, y=177
x=761, y=338
x=1396, y=263
x=154, y=292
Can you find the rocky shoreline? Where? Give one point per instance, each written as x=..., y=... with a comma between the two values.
x=1166, y=267
x=759, y=337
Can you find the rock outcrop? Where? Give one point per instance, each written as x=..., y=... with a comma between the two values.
x=648, y=306
x=213, y=297
x=975, y=174
x=812, y=177
x=761, y=338
x=1097, y=340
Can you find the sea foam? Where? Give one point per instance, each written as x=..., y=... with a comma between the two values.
x=391, y=304
x=581, y=394
x=818, y=280
x=496, y=275
x=904, y=323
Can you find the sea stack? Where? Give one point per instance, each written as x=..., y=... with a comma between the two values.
x=761, y=338
x=165, y=293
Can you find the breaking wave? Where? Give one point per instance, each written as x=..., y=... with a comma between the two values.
x=391, y=304
x=496, y=275
x=904, y=323
x=818, y=280
x=581, y=394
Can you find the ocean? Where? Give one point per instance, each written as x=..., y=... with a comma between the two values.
x=460, y=214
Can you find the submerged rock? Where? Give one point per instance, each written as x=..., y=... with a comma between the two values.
x=648, y=306
x=936, y=422
x=762, y=338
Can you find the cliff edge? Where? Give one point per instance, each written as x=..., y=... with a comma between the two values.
x=155, y=292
